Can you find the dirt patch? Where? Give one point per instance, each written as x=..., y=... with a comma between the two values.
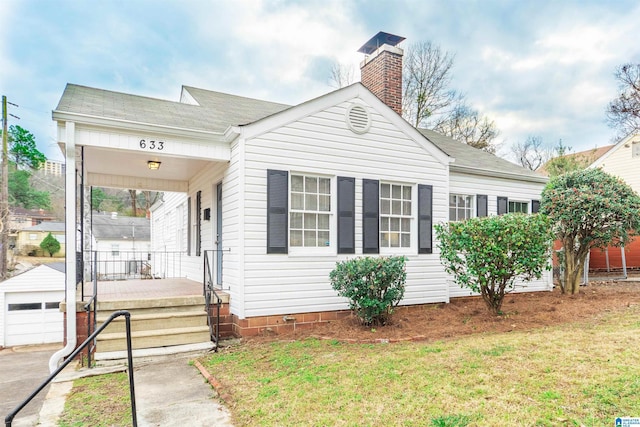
x=469, y=315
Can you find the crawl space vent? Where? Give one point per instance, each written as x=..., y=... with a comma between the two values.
x=358, y=119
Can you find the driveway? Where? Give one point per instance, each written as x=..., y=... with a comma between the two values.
x=22, y=369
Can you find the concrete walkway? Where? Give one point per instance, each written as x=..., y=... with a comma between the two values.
x=22, y=369
x=169, y=390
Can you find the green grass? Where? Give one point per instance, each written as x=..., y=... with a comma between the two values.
x=98, y=401
x=570, y=375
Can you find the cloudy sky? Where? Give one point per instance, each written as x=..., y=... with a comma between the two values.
x=535, y=67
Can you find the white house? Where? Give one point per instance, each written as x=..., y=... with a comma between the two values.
x=121, y=244
x=621, y=160
x=30, y=304
x=276, y=194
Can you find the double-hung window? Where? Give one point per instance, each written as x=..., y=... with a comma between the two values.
x=518, y=207
x=460, y=207
x=310, y=211
x=395, y=215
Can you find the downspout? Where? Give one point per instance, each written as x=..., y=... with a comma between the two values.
x=71, y=245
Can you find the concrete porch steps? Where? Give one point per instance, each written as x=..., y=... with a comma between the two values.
x=156, y=323
x=153, y=338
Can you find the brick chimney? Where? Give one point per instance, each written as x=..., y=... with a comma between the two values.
x=381, y=70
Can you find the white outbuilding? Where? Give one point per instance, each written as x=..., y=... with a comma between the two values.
x=30, y=306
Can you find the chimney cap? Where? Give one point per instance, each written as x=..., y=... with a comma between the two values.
x=378, y=40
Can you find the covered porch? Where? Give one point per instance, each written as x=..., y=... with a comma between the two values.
x=116, y=148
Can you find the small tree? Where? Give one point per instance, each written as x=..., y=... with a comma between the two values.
x=488, y=254
x=374, y=286
x=588, y=209
x=50, y=244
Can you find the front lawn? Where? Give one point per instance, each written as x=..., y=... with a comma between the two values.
x=585, y=373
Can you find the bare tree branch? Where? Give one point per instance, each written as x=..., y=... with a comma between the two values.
x=531, y=153
x=623, y=113
x=426, y=79
x=341, y=75
x=467, y=125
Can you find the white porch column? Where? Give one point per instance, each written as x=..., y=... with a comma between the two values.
x=71, y=238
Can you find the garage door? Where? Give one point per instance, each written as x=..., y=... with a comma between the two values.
x=33, y=318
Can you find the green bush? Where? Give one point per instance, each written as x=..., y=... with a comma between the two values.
x=374, y=286
x=488, y=254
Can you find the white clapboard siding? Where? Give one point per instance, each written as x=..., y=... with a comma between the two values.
x=621, y=162
x=322, y=144
x=514, y=190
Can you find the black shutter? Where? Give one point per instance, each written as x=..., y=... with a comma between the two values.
x=370, y=216
x=535, y=206
x=503, y=205
x=189, y=226
x=482, y=205
x=277, y=211
x=425, y=219
x=346, y=215
x=198, y=222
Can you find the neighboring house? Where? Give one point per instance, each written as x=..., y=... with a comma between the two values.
x=29, y=306
x=121, y=244
x=276, y=194
x=623, y=161
x=29, y=238
x=581, y=158
x=20, y=218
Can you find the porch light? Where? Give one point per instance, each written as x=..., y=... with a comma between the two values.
x=153, y=165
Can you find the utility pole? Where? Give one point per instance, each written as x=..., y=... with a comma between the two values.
x=4, y=200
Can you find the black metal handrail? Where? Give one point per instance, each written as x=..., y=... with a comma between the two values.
x=209, y=292
x=137, y=264
x=9, y=418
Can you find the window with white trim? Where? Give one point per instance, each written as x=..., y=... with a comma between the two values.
x=635, y=149
x=310, y=211
x=115, y=249
x=518, y=207
x=395, y=215
x=460, y=207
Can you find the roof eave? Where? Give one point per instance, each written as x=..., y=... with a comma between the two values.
x=498, y=174
x=89, y=119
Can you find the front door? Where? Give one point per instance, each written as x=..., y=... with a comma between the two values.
x=219, y=234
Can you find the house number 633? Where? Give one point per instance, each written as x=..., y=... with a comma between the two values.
x=152, y=145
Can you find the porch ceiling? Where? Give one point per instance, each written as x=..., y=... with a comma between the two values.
x=103, y=162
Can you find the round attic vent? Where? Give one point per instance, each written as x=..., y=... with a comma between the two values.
x=358, y=119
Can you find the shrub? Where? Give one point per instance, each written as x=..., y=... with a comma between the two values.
x=488, y=254
x=373, y=285
x=50, y=244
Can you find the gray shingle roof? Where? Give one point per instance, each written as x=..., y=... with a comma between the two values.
x=467, y=157
x=59, y=266
x=216, y=112
x=46, y=226
x=232, y=109
x=104, y=227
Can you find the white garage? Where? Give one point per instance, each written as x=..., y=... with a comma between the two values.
x=30, y=307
